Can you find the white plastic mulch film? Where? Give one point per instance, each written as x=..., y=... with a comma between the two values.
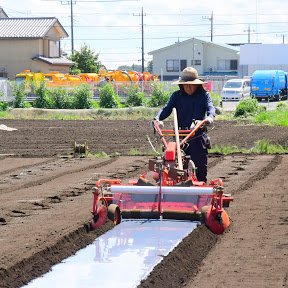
x=122, y=257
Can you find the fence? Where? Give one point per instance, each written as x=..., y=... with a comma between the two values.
x=6, y=94
x=216, y=84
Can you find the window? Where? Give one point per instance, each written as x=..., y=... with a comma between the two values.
x=196, y=62
x=54, y=48
x=172, y=65
x=227, y=64
x=183, y=64
x=233, y=64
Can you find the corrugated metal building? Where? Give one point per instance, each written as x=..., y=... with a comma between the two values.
x=262, y=57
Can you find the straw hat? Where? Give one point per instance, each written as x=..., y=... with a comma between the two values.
x=189, y=76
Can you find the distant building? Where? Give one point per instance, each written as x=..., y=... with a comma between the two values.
x=262, y=57
x=207, y=57
x=2, y=13
x=31, y=44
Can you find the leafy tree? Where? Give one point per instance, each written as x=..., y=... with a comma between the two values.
x=150, y=66
x=86, y=61
x=134, y=67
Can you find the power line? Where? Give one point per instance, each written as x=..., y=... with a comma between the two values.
x=108, y=1
x=173, y=37
x=71, y=13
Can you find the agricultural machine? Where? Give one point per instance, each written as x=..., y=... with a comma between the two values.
x=169, y=191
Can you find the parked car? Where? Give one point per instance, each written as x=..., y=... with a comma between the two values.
x=235, y=89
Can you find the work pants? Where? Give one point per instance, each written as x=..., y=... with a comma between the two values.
x=196, y=148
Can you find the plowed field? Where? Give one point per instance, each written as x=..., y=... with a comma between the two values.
x=45, y=198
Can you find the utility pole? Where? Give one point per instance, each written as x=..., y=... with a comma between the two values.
x=283, y=37
x=179, y=59
x=72, y=22
x=142, y=33
x=249, y=32
x=211, y=20
x=211, y=26
x=72, y=27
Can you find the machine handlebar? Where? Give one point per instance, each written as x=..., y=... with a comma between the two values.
x=187, y=134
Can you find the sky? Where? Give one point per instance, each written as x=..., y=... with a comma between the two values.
x=113, y=28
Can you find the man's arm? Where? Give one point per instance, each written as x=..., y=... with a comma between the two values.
x=211, y=111
x=167, y=110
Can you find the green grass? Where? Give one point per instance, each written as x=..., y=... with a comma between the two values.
x=5, y=115
x=278, y=117
x=136, y=152
x=226, y=150
x=132, y=113
x=100, y=155
x=261, y=147
x=265, y=147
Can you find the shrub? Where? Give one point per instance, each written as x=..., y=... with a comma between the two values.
x=108, y=97
x=247, y=107
x=61, y=98
x=4, y=106
x=20, y=95
x=83, y=97
x=216, y=99
x=135, y=97
x=159, y=95
x=95, y=104
x=43, y=97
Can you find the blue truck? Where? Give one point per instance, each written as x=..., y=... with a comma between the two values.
x=269, y=85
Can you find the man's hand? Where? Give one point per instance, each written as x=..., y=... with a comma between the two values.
x=194, y=123
x=209, y=120
x=160, y=123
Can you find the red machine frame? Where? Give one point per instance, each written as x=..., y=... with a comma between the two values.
x=174, y=175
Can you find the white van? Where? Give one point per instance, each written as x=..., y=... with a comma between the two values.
x=236, y=89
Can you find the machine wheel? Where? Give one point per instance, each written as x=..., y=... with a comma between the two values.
x=203, y=214
x=217, y=223
x=100, y=218
x=114, y=213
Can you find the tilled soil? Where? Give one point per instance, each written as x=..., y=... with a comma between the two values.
x=45, y=198
x=57, y=138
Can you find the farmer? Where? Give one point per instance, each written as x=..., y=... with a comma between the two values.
x=192, y=101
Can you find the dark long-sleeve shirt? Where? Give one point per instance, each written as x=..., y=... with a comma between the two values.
x=189, y=107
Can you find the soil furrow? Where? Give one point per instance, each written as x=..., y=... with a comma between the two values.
x=43, y=224
x=47, y=178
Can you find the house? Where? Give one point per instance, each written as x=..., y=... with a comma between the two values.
x=207, y=57
x=31, y=44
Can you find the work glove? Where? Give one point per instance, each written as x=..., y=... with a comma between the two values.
x=194, y=123
x=160, y=123
x=209, y=120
